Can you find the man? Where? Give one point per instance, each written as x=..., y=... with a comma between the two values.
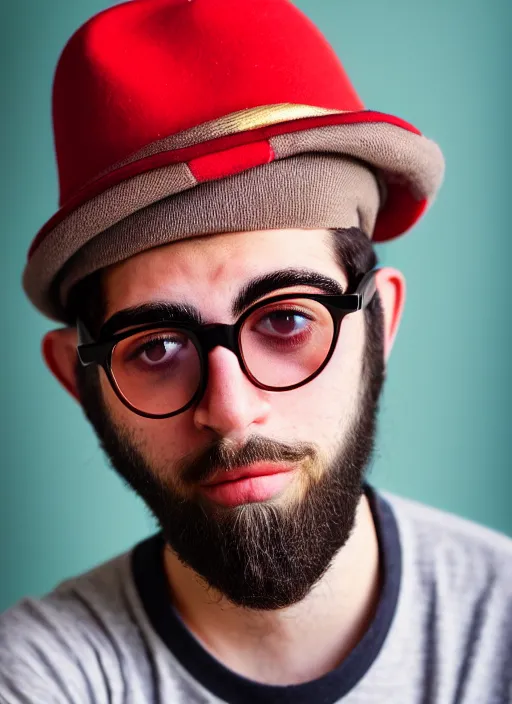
x=227, y=333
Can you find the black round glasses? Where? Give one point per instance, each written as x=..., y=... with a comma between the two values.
x=160, y=368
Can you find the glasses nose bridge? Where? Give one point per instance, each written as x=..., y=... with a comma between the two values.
x=218, y=335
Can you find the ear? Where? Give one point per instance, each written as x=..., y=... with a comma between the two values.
x=59, y=353
x=391, y=286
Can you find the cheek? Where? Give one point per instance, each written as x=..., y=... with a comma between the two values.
x=330, y=400
x=164, y=439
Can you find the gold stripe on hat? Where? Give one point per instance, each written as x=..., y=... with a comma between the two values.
x=253, y=118
x=240, y=121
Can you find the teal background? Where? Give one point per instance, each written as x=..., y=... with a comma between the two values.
x=445, y=435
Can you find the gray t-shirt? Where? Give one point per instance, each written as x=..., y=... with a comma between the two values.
x=441, y=634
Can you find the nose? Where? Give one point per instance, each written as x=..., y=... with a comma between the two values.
x=231, y=403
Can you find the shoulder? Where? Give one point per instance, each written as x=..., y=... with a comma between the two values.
x=75, y=602
x=70, y=630
x=441, y=540
x=458, y=575
x=455, y=608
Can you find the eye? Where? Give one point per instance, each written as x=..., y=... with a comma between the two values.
x=158, y=351
x=283, y=323
x=155, y=352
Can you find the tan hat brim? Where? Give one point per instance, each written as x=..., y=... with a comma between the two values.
x=411, y=166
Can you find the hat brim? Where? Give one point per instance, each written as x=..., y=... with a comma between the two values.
x=410, y=165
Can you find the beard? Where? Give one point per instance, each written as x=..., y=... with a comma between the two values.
x=263, y=555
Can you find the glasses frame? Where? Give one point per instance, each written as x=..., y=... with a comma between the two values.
x=208, y=336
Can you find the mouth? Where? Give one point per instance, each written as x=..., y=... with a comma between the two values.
x=257, y=482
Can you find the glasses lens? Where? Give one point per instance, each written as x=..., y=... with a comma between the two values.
x=286, y=342
x=157, y=371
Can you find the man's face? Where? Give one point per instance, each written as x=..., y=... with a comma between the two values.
x=266, y=547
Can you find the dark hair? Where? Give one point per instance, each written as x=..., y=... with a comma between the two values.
x=352, y=249
x=356, y=255
x=86, y=301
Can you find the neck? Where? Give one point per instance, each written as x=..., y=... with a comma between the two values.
x=268, y=646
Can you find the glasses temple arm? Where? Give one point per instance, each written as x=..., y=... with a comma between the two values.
x=368, y=287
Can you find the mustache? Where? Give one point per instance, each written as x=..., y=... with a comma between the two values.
x=224, y=455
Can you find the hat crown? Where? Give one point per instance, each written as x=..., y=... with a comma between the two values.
x=147, y=69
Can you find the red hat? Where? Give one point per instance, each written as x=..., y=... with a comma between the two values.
x=165, y=101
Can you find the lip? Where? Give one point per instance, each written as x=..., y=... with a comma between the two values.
x=257, y=482
x=258, y=469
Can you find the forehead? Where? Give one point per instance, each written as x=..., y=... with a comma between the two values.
x=215, y=266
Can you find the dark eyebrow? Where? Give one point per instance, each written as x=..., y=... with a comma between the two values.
x=151, y=313
x=251, y=292
x=262, y=285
